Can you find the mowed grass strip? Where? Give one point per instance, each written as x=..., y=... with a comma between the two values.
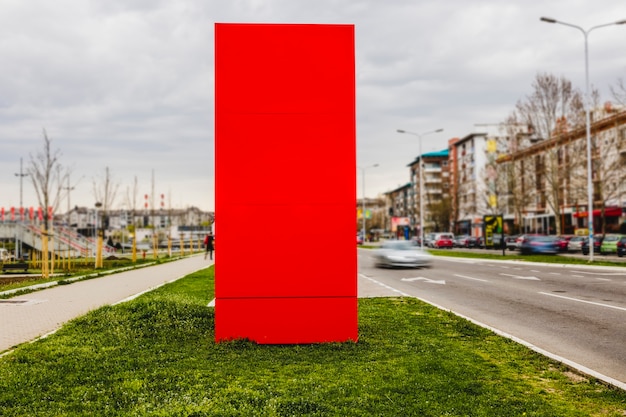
x=156, y=356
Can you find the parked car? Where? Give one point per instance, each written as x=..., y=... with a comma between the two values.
x=443, y=240
x=609, y=244
x=539, y=244
x=359, y=240
x=562, y=241
x=575, y=243
x=428, y=239
x=511, y=242
x=621, y=246
x=401, y=253
x=462, y=241
x=597, y=242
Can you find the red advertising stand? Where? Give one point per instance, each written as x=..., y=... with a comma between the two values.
x=285, y=148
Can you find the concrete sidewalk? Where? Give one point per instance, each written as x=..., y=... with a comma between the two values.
x=27, y=317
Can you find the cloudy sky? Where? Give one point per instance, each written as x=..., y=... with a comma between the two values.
x=128, y=84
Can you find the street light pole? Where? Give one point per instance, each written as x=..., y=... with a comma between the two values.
x=363, y=202
x=587, y=122
x=421, y=172
x=21, y=175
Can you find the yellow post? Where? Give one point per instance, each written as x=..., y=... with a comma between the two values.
x=182, y=244
x=52, y=254
x=98, y=262
x=169, y=245
x=44, y=253
x=155, y=245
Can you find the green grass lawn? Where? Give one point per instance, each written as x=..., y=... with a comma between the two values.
x=156, y=356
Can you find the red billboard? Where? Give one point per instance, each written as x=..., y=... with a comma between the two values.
x=285, y=183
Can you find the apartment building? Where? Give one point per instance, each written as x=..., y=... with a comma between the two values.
x=550, y=177
x=400, y=208
x=436, y=191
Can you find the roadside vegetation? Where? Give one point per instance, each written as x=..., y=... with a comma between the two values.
x=20, y=283
x=156, y=356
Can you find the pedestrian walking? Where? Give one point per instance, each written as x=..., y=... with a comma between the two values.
x=208, y=245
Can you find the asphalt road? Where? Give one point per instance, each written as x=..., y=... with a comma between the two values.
x=577, y=313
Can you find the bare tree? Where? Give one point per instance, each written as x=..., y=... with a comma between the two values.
x=105, y=192
x=513, y=181
x=48, y=177
x=619, y=91
x=131, y=199
x=552, y=109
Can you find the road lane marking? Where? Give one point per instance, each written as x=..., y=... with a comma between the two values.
x=618, y=274
x=472, y=278
x=430, y=281
x=603, y=279
x=385, y=286
x=521, y=277
x=584, y=301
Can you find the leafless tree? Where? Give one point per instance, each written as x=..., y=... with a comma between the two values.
x=552, y=109
x=619, y=91
x=105, y=191
x=48, y=177
x=131, y=199
x=512, y=186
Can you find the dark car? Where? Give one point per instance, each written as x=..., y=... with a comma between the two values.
x=539, y=244
x=597, y=242
x=621, y=246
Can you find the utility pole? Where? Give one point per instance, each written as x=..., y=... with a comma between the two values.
x=21, y=209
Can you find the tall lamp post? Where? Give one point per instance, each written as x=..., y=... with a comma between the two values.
x=363, y=202
x=421, y=166
x=21, y=174
x=587, y=122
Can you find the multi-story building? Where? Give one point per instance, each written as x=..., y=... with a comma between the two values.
x=551, y=193
x=399, y=208
x=436, y=191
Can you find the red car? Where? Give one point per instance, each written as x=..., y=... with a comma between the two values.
x=443, y=240
x=562, y=242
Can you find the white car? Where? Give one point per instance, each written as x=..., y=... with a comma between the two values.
x=402, y=253
x=575, y=244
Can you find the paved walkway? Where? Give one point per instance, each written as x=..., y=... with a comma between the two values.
x=27, y=317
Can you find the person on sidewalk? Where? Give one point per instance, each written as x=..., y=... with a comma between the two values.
x=208, y=245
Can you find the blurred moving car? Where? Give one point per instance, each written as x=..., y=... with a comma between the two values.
x=621, y=246
x=401, y=253
x=443, y=240
x=609, y=244
x=597, y=242
x=575, y=243
x=539, y=244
